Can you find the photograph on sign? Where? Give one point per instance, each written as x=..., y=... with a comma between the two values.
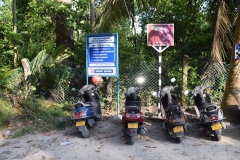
x=237, y=51
x=160, y=34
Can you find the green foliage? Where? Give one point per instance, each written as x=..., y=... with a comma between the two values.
x=12, y=78
x=7, y=111
x=39, y=115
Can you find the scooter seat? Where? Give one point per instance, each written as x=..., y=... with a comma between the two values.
x=82, y=104
x=172, y=108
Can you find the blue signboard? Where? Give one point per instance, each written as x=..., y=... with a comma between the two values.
x=102, y=54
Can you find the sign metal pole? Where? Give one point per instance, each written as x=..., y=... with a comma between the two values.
x=160, y=108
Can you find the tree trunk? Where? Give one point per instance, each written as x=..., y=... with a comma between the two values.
x=92, y=13
x=63, y=33
x=184, y=78
x=15, y=54
x=230, y=102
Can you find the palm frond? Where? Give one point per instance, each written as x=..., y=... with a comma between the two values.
x=37, y=63
x=222, y=41
x=115, y=11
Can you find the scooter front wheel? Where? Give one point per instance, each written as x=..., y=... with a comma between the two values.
x=218, y=134
x=85, y=133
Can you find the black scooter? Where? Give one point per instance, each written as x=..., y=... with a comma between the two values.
x=210, y=115
x=176, y=121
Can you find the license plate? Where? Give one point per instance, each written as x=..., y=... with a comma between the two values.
x=80, y=123
x=216, y=126
x=178, y=129
x=132, y=125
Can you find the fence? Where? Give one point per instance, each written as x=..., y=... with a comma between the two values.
x=149, y=71
x=60, y=92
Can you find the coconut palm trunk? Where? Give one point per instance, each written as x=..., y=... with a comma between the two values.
x=231, y=99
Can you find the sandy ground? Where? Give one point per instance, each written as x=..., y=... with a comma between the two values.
x=106, y=143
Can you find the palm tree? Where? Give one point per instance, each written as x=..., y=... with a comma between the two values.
x=231, y=97
x=222, y=42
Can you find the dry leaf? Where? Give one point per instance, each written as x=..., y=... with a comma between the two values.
x=25, y=154
x=47, y=134
x=97, y=150
x=150, y=146
x=121, y=149
x=184, y=154
x=17, y=147
x=7, y=152
x=55, y=139
x=4, y=144
x=100, y=147
x=29, y=141
x=131, y=157
x=197, y=144
x=5, y=136
x=44, y=158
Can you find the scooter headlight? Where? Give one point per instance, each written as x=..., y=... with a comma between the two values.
x=138, y=115
x=127, y=115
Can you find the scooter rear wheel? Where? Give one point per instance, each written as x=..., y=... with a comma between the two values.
x=179, y=139
x=131, y=140
x=218, y=134
x=85, y=133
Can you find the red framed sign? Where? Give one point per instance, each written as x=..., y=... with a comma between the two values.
x=160, y=34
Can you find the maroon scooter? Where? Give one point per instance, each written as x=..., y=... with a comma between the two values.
x=132, y=118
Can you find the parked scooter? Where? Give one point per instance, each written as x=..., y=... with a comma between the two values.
x=132, y=118
x=210, y=115
x=176, y=121
x=85, y=114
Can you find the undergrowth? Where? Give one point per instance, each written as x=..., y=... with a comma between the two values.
x=34, y=114
x=6, y=112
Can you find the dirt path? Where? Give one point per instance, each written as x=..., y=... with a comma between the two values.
x=106, y=143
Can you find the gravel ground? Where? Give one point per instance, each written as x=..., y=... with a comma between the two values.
x=106, y=143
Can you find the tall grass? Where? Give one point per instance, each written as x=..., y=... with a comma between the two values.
x=34, y=114
x=7, y=111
